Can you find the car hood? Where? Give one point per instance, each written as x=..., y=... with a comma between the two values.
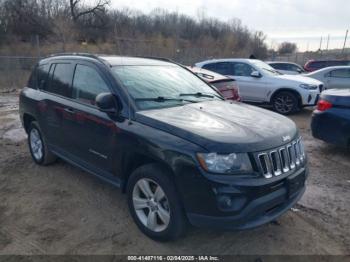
x=223, y=127
x=299, y=79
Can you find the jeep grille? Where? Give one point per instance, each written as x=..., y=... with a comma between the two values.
x=281, y=160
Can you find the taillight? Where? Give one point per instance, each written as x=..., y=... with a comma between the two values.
x=323, y=105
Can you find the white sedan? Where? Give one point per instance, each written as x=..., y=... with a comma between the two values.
x=337, y=77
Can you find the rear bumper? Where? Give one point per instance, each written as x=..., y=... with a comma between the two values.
x=260, y=210
x=332, y=126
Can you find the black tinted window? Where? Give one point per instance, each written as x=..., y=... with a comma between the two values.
x=223, y=68
x=42, y=75
x=318, y=64
x=39, y=76
x=87, y=84
x=279, y=66
x=61, y=79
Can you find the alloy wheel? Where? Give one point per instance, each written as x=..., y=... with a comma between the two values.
x=284, y=103
x=36, y=144
x=151, y=205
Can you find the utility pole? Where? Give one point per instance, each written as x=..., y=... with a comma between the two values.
x=320, y=43
x=346, y=36
x=327, y=42
x=37, y=42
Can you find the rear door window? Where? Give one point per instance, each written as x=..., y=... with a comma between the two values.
x=87, y=84
x=223, y=68
x=61, y=79
x=279, y=66
x=340, y=73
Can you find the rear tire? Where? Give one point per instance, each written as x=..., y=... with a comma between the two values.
x=285, y=103
x=38, y=146
x=154, y=203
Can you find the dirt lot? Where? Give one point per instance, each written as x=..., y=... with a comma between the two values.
x=60, y=209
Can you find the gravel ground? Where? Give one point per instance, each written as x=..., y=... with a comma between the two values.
x=60, y=209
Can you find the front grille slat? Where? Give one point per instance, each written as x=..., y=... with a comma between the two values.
x=281, y=160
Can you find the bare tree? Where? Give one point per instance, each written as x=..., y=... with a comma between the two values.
x=78, y=9
x=287, y=48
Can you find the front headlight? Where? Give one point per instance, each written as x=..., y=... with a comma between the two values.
x=225, y=164
x=309, y=87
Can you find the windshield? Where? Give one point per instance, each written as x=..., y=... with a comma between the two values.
x=163, y=86
x=266, y=68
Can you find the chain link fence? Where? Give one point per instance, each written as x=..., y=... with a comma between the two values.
x=15, y=71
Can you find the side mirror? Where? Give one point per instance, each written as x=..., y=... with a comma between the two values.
x=106, y=102
x=255, y=74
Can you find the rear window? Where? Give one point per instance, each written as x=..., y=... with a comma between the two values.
x=61, y=79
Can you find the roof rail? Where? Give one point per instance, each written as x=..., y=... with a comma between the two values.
x=89, y=55
x=158, y=58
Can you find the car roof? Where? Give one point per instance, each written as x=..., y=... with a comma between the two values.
x=281, y=62
x=329, y=60
x=328, y=69
x=111, y=60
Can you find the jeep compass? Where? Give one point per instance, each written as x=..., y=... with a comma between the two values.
x=178, y=150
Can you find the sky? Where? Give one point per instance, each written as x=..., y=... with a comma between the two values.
x=303, y=22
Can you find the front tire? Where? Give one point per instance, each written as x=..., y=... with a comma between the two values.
x=285, y=103
x=38, y=146
x=154, y=203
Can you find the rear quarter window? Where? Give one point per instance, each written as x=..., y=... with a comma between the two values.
x=39, y=76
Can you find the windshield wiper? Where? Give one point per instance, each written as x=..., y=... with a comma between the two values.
x=199, y=94
x=161, y=99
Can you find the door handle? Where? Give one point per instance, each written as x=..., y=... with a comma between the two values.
x=69, y=110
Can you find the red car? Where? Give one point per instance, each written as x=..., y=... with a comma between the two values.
x=227, y=86
x=313, y=65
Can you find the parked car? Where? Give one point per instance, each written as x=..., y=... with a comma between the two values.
x=260, y=83
x=287, y=68
x=333, y=77
x=331, y=120
x=169, y=140
x=227, y=86
x=313, y=65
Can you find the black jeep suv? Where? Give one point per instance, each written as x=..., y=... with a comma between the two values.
x=167, y=139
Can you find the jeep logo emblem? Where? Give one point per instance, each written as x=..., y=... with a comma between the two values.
x=285, y=138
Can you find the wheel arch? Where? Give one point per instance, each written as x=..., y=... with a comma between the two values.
x=27, y=119
x=296, y=93
x=136, y=160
